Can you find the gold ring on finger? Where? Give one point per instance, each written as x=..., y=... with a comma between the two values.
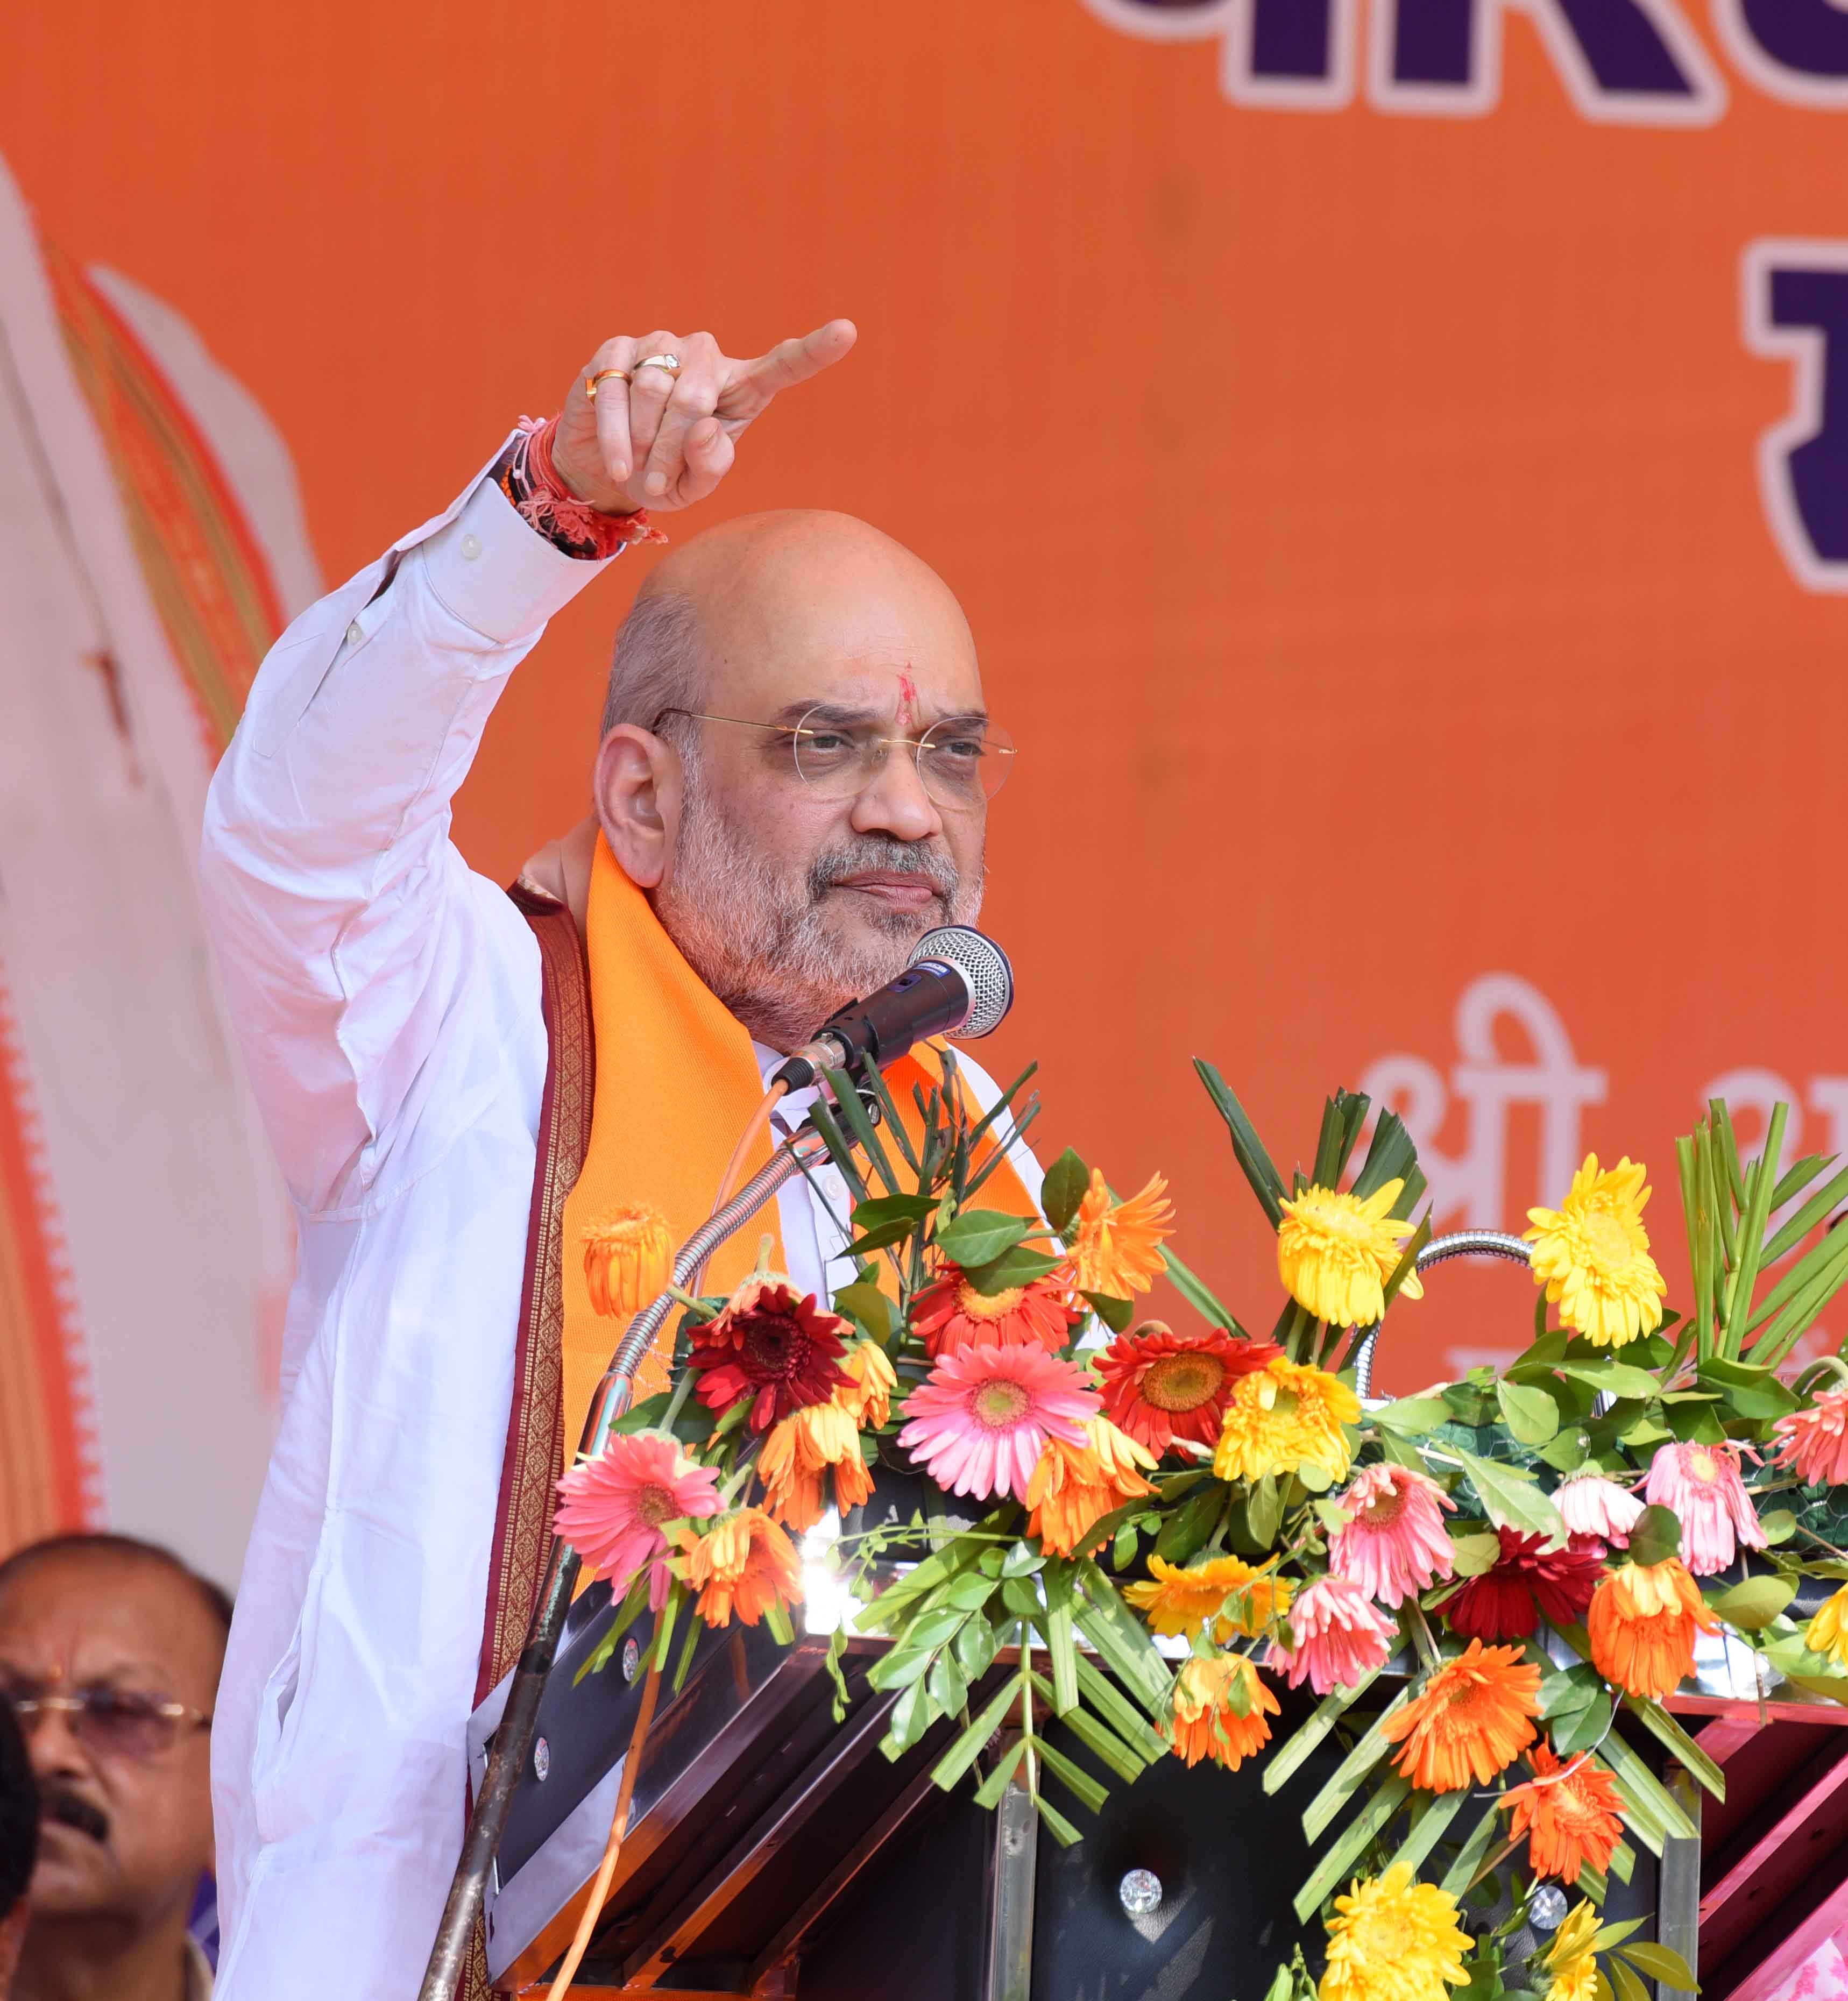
x=671, y=362
x=602, y=375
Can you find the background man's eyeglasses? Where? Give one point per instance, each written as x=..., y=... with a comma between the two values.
x=959, y=765
x=113, y=1722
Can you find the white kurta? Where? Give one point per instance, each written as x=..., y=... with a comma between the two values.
x=388, y=1003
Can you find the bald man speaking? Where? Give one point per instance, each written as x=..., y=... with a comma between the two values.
x=789, y=788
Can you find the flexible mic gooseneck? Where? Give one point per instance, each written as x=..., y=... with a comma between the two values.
x=957, y=983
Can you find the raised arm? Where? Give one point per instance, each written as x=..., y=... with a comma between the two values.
x=344, y=917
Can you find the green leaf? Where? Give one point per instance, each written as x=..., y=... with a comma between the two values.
x=975, y=1648
x=1643, y=1790
x=1023, y=1561
x=948, y=1690
x=1778, y=1526
x=1628, y=1987
x=1264, y=1509
x=1752, y=1390
x=884, y=1208
x=989, y=1793
x=1196, y=1295
x=1018, y=1267
x=1462, y=1871
x=1186, y=1530
x=980, y=1235
x=969, y=1746
x=1694, y=1422
x=1511, y=1500
x=1114, y=1707
x=1116, y=1314
x=1348, y=1777
x=1266, y=1184
x=1662, y=1963
x=1754, y=1603
x=1656, y=1536
x=1289, y=1756
x=1618, y=1379
x=1057, y=1825
x=869, y=1308
x=1531, y=1414
x=1079, y=1783
x=1429, y=1829
x=1123, y=1759
x=1066, y=1180
x=1366, y=1826
x=1413, y=1417
x=1582, y=1728
x=1475, y=1554
x=1123, y=1640
x=1686, y=1750
x=882, y=1238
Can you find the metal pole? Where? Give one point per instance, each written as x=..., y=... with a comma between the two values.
x=513, y=1739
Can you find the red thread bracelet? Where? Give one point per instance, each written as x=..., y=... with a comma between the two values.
x=550, y=505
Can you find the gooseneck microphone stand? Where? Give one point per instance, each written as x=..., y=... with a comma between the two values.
x=512, y=1737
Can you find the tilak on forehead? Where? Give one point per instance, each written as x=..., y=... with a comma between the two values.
x=907, y=698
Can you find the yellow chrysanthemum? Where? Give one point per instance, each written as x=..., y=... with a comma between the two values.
x=1827, y=1632
x=1571, y=1964
x=1117, y=1248
x=1179, y=1602
x=1592, y=1253
x=1285, y=1415
x=1335, y=1252
x=628, y=1258
x=1392, y=1938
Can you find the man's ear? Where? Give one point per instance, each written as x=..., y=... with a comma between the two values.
x=637, y=784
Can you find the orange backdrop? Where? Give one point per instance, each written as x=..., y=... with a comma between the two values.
x=1357, y=507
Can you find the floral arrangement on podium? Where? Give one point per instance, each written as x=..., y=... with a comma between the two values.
x=1142, y=1531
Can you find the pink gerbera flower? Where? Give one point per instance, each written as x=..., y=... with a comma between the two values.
x=611, y=1508
x=1701, y=1485
x=981, y=1419
x=1396, y=1545
x=1589, y=1505
x=1815, y=1442
x=1339, y=1636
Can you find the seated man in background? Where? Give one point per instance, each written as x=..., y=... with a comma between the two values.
x=18, y=1843
x=109, y=1654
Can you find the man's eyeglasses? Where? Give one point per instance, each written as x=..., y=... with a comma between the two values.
x=960, y=764
x=114, y=1723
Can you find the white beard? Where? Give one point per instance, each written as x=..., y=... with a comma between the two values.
x=762, y=941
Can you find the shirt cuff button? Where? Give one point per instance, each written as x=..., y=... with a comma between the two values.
x=471, y=548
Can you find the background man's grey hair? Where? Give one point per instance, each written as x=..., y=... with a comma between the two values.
x=655, y=666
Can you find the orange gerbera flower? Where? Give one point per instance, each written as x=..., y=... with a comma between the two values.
x=1568, y=1813
x=1074, y=1487
x=1642, y=1624
x=867, y=1395
x=743, y=1564
x=1177, y=1602
x=1118, y=1249
x=952, y=1314
x=798, y=1452
x=1472, y=1719
x=1218, y=1711
x=628, y=1258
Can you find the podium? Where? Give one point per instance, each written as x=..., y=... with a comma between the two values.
x=774, y=1851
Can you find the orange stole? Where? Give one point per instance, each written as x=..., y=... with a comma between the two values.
x=677, y=1081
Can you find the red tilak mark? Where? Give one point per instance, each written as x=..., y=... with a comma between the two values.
x=907, y=697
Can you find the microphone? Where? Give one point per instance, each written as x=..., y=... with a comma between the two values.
x=956, y=983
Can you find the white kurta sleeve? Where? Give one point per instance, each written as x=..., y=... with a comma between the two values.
x=328, y=871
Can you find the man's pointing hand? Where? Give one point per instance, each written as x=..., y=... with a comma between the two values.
x=663, y=440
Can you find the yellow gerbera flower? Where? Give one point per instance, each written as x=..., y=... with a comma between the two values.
x=1592, y=1253
x=1394, y=1939
x=1570, y=1960
x=1176, y=1601
x=1118, y=1248
x=1285, y=1415
x=1827, y=1632
x=1335, y=1252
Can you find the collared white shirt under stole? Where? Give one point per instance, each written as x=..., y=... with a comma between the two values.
x=387, y=999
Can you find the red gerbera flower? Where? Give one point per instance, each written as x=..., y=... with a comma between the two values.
x=774, y=1343
x=952, y=1315
x=1159, y=1386
x=1506, y=1603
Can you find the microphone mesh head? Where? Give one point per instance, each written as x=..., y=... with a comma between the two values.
x=982, y=965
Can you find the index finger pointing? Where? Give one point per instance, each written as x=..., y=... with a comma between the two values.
x=786, y=364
